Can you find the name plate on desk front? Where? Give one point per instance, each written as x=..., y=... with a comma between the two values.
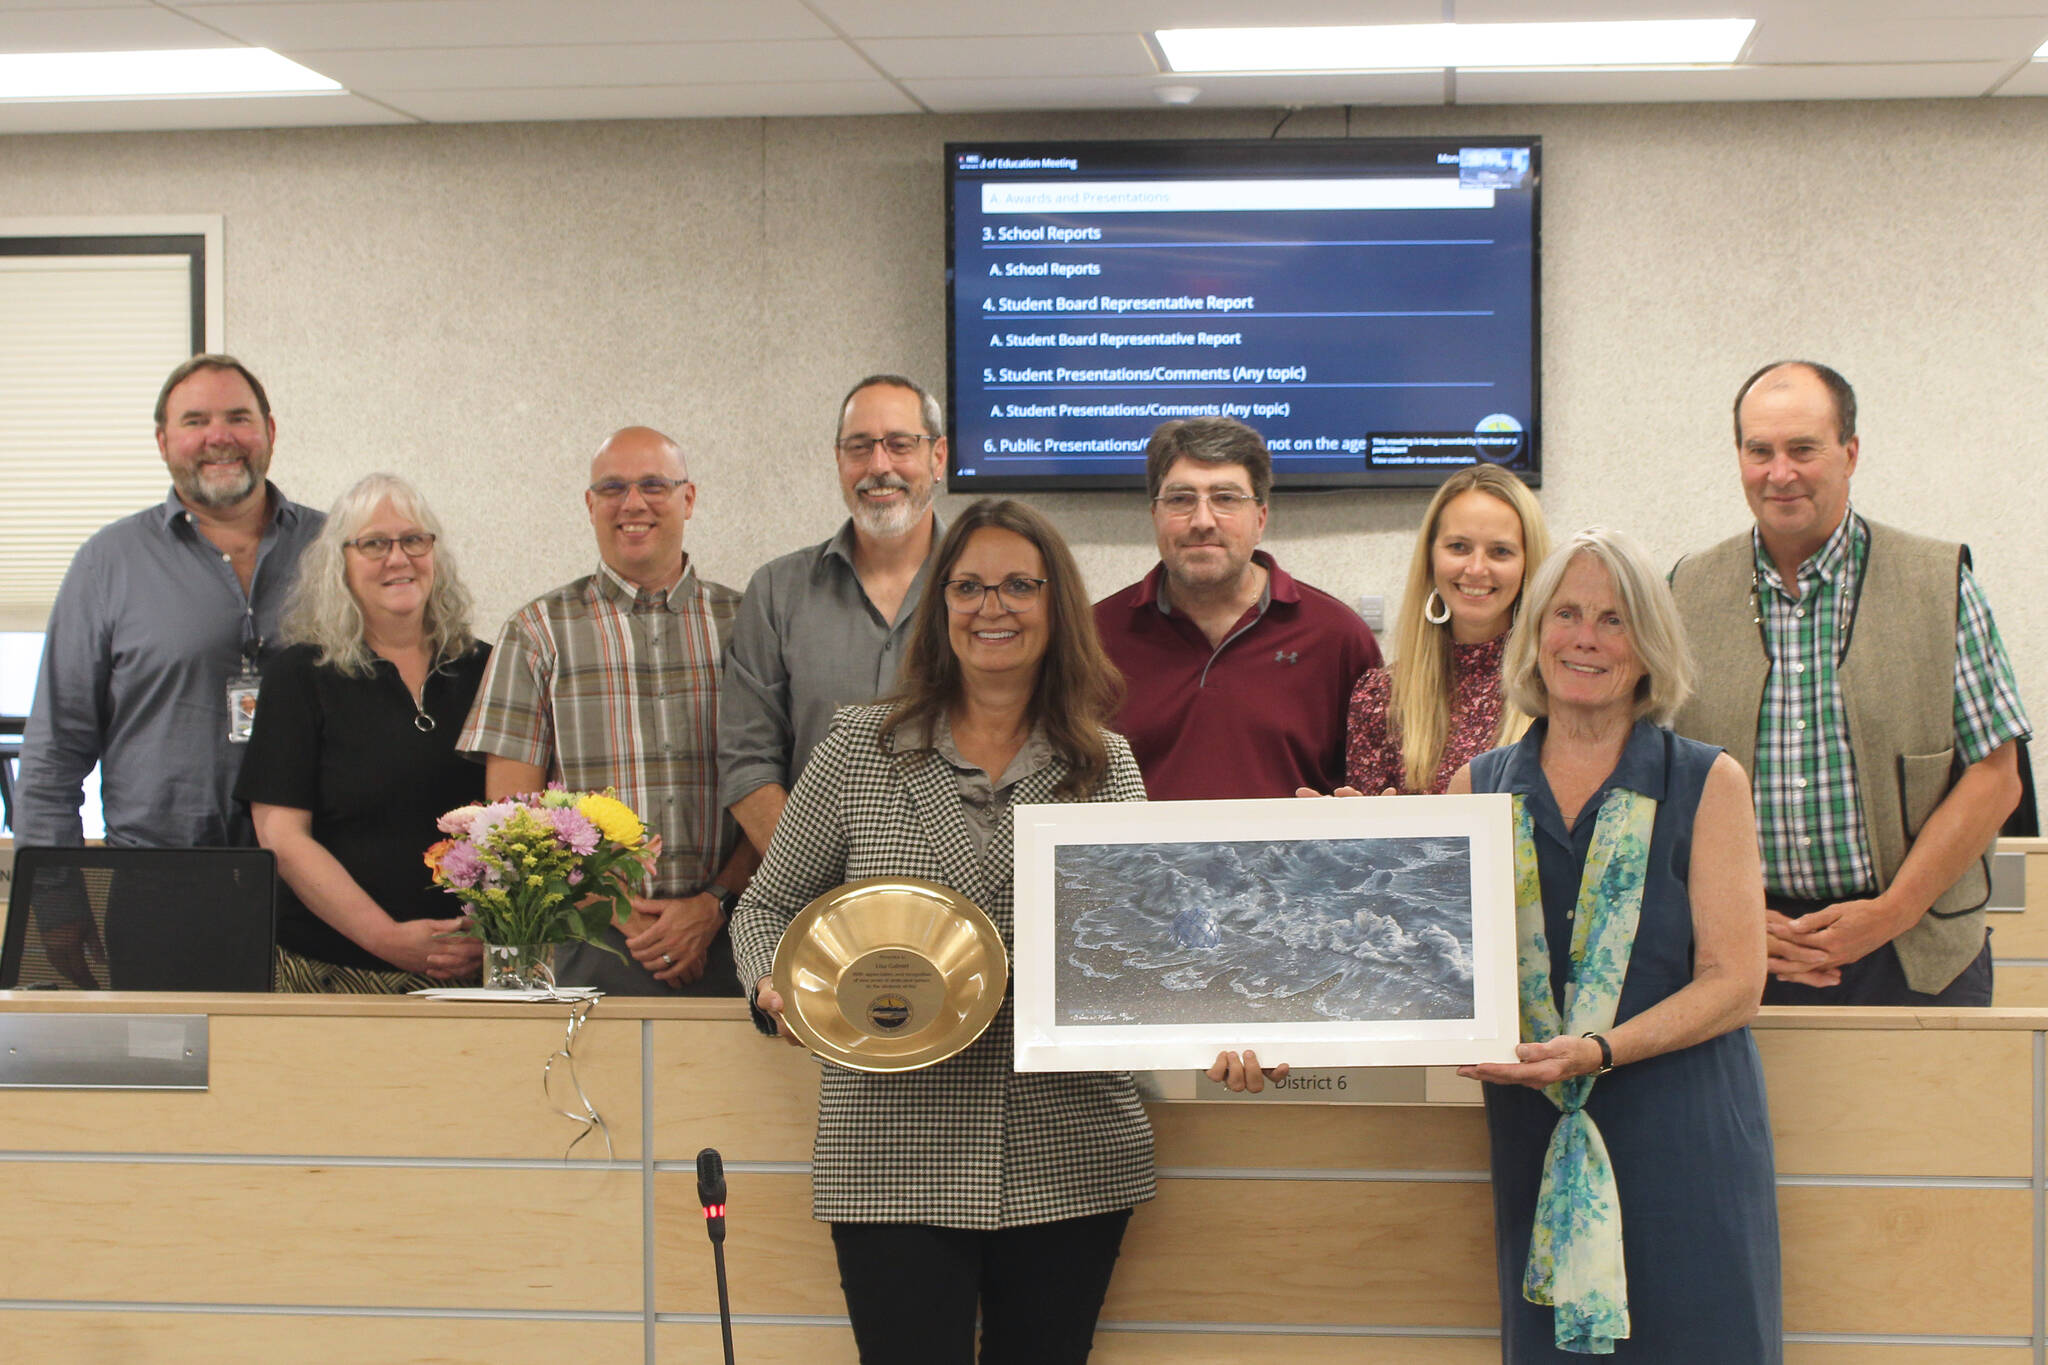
x=103, y=1051
x=1323, y=1085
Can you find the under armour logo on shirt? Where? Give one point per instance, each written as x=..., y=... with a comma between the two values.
x=1286, y=656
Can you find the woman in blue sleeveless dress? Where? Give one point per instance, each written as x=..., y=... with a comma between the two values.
x=1635, y=1206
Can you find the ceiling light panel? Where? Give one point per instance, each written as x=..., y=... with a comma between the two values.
x=191, y=73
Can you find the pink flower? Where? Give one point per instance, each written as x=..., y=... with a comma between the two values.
x=458, y=821
x=489, y=818
x=461, y=867
x=576, y=830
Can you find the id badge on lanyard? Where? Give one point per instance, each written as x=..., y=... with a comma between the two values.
x=243, y=687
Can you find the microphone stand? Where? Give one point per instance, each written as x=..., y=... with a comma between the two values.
x=711, y=1194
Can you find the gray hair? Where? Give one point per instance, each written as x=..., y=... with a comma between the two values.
x=927, y=406
x=1648, y=612
x=208, y=361
x=322, y=611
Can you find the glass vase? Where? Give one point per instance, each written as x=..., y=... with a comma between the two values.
x=519, y=966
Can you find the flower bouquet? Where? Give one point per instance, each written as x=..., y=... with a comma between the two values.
x=539, y=870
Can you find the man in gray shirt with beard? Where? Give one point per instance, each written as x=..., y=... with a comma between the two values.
x=825, y=626
x=155, y=648
x=161, y=629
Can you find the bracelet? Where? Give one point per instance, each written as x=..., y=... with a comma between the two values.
x=1606, y=1054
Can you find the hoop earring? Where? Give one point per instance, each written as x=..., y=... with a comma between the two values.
x=1430, y=615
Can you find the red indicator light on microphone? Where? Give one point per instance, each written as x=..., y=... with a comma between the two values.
x=714, y=1210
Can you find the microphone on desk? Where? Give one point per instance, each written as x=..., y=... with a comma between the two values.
x=711, y=1191
x=711, y=1194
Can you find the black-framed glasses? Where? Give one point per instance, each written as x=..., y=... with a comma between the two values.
x=654, y=488
x=896, y=443
x=1223, y=502
x=1016, y=593
x=414, y=544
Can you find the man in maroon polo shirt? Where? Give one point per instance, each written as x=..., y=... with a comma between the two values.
x=1236, y=675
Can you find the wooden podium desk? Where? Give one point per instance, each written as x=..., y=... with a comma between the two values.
x=382, y=1180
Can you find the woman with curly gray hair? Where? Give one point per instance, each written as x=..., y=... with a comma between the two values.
x=353, y=756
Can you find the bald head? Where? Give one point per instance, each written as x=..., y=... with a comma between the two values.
x=1783, y=374
x=639, y=498
x=641, y=444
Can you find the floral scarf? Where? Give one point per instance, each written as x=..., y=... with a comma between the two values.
x=1575, y=1259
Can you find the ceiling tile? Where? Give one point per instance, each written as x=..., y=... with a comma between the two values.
x=1584, y=11
x=136, y=28
x=2032, y=79
x=64, y=6
x=1102, y=54
x=118, y=116
x=994, y=18
x=1897, y=40
x=326, y=25
x=1241, y=92
x=1927, y=80
x=764, y=100
x=591, y=65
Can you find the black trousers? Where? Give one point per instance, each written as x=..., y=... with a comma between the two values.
x=1879, y=979
x=912, y=1290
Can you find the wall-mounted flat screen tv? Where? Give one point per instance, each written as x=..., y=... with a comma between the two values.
x=1369, y=304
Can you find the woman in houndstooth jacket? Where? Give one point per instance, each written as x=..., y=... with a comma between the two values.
x=966, y=1185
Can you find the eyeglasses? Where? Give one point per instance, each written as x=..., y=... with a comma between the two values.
x=896, y=443
x=1016, y=594
x=653, y=488
x=377, y=547
x=1224, y=503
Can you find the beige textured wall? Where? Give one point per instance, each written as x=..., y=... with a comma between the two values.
x=476, y=306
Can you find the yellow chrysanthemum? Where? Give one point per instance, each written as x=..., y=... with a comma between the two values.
x=614, y=817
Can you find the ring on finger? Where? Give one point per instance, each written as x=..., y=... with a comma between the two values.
x=667, y=960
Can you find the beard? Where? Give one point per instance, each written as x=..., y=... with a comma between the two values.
x=893, y=520
x=224, y=490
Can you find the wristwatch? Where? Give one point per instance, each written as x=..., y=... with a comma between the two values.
x=1606, y=1054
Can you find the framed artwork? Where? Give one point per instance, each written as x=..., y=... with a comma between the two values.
x=1367, y=931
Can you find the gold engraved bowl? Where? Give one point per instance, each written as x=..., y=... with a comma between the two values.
x=890, y=974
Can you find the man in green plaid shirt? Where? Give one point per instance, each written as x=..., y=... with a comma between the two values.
x=1856, y=671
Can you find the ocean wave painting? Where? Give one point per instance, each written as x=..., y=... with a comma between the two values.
x=1275, y=931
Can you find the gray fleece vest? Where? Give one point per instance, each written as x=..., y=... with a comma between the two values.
x=1898, y=692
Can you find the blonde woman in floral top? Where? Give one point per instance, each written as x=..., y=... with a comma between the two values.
x=1413, y=725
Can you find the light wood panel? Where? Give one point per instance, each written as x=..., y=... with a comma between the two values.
x=1304, y=1251
x=2025, y=934
x=57, y=1338
x=2019, y=986
x=1209, y=1348
x=724, y=1085
x=1320, y=1137
x=678, y=1343
x=778, y=1259
x=351, y=1236
x=353, y=1086
x=1831, y=1353
x=1932, y=1261
x=1205, y=1250
x=1837, y=1096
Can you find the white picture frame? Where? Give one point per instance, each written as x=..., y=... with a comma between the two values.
x=1338, y=932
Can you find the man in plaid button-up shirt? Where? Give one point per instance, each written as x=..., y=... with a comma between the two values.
x=612, y=681
x=1881, y=776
